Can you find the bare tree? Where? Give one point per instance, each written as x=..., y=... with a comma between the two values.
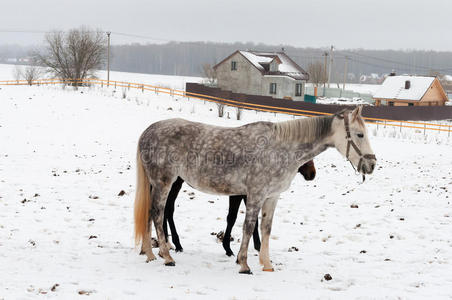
x=210, y=74
x=31, y=73
x=75, y=54
x=316, y=73
x=17, y=73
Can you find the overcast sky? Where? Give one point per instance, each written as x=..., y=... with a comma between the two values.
x=376, y=24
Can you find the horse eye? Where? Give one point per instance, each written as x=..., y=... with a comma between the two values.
x=360, y=135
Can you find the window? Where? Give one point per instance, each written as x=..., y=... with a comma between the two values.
x=410, y=104
x=391, y=103
x=273, y=88
x=233, y=66
x=298, y=89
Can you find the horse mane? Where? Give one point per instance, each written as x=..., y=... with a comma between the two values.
x=304, y=130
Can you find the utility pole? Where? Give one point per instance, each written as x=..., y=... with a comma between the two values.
x=325, y=62
x=331, y=65
x=345, y=72
x=108, y=58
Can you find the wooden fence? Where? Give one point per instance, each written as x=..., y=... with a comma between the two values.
x=259, y=103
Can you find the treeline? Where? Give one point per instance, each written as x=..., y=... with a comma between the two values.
x=187, y=58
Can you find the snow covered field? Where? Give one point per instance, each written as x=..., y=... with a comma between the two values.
x=65, y=233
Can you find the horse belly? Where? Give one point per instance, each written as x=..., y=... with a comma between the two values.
x=217, y=185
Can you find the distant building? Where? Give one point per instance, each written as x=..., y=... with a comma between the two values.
x=373, y=78
x=271, y=74
x=408, y=90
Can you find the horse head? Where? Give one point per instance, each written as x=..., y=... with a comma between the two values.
x=350, y=138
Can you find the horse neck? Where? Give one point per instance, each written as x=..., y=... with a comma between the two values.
x=312, y=131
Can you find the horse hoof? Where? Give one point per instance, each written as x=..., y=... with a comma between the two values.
x=179, y=250
x=246, y=272
x=268, y=270
x=170, y=264
x=150, y=259
x=229, y=253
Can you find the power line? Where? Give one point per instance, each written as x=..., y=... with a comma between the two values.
x=142, y=36
x=397, y=62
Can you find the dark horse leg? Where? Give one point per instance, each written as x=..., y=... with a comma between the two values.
x=169, y=214
x=234, y=204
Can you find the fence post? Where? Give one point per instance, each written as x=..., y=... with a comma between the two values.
x=115, y=85
x=400, y=126
x=129, y=86
x=385, y=123
x=424, y=129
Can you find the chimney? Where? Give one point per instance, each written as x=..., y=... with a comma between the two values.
x=407, y=84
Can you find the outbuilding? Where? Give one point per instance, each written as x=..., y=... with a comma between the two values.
x=408, y=90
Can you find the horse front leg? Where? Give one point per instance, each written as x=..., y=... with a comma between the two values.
x=159, y=197
x=252, y=212
x=268, y=210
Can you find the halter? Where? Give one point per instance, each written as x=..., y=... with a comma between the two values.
x=352, y=143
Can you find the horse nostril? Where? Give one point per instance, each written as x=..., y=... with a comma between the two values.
x=372, y=166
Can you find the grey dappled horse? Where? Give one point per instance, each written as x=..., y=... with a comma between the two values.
x=258, y=160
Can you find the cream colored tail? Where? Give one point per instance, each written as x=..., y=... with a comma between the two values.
x=142, y=202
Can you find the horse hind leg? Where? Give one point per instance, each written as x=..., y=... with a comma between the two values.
x=268, y=210
x=146, y=244
x=256, y=238
x=159, y=196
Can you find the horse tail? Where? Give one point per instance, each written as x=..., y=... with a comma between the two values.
x=142, y=201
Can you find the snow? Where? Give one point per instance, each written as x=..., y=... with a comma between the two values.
x=286, y=65
x=361, y=88
x=341, y=101
x=394, y=87
x=65, y=155
x=174, y=82
x=256, y=60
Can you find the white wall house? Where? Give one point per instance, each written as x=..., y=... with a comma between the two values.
x=271, y=74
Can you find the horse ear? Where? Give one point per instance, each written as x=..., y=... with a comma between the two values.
x=357, y=112
x=340, y=114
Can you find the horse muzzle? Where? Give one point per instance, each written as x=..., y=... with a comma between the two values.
x=309, y=176
x=367, y=164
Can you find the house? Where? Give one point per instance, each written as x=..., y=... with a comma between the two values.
x=262, y=73
x=406, y=90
